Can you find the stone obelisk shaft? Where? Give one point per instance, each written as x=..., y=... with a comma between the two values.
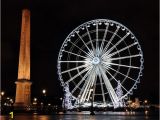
x=23, y=84
x=24, y=54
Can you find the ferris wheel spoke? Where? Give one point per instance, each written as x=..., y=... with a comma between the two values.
x=84, y=70
x=122, y=74
x=100, y=77
x=104, y=37
x=116, y=80
x=131, y=56
x=110, y=55
x=75, y=54
x=82, y=61
x=83, y=88
x=108, y=51
x=76, y=68
x=90, y=39
x=97, y=43
x=109, y=63
x=113, y=95
x=84, y=77
x=110, y=41
x=84, y=43
x=105, y=66
x=80, y=49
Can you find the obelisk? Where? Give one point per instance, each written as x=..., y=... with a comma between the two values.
x=23, y=84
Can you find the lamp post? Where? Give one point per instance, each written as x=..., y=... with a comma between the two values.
x=60, y=104
x=145, y=104
x=35, y=103
x=2, y=94
x=92, y=111
x=79, y=106
x=44, y=95
x=44, y=98
x=64, y=106
x=2, y=99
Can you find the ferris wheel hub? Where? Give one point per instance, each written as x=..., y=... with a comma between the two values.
x=95, y=60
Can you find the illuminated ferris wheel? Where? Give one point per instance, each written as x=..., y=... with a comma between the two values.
x=100, y=60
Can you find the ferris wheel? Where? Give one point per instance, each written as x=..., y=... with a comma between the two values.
x=100, y=60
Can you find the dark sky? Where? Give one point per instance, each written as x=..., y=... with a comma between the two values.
x=53, y=20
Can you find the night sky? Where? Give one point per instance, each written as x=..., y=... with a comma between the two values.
x=53, y=20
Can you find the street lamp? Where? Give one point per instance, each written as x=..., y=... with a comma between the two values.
x=35, y=104
x=145, y=101
x=2, y=93
x=2, y=99
x=35, y=99
x=61, y=99
x=44, y=92
x=49, y=104
x=11, y=100
x=92, y=111
x=8, y=98
x=145, y=105
x=44, y=99
x=79, y=96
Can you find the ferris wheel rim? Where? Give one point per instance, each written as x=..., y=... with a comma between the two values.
x=106, y=20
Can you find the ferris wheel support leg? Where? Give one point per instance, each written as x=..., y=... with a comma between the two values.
x=100, y=77
x=113, y=95
x=91, y=89
x=86, y=88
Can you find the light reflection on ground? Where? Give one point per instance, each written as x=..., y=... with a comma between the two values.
x=84, y=116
